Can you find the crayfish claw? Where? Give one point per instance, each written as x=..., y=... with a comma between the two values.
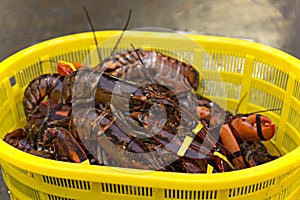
x=254, y=127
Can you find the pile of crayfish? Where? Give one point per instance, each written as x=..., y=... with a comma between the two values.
x=137, y=109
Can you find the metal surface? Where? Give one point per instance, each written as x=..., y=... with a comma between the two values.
x=269, y=22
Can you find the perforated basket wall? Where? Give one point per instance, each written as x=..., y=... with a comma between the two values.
x=269, y=76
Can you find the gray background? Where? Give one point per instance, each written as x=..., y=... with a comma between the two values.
x=270, y=22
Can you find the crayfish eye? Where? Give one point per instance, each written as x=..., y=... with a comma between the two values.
x=147, y=95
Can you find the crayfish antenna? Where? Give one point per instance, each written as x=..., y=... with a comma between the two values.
x=277, y=149
x=240, y=102
x=267, y=110
x=94, y=32
x=123, y=31
x=256, y=112
x=144, y=69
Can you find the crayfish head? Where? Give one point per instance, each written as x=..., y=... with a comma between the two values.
x=254, y=127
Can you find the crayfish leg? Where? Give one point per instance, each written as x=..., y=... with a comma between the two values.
x=65, y=146
x=19, y=139
x=229, y=141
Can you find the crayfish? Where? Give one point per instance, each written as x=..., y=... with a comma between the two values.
x=145, y=127
x=137, y=109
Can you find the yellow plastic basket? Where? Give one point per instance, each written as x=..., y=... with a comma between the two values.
x=269, y=76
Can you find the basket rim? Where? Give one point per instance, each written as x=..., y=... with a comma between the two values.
x=94, y=173
x=249, y=45
x=10, y=155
